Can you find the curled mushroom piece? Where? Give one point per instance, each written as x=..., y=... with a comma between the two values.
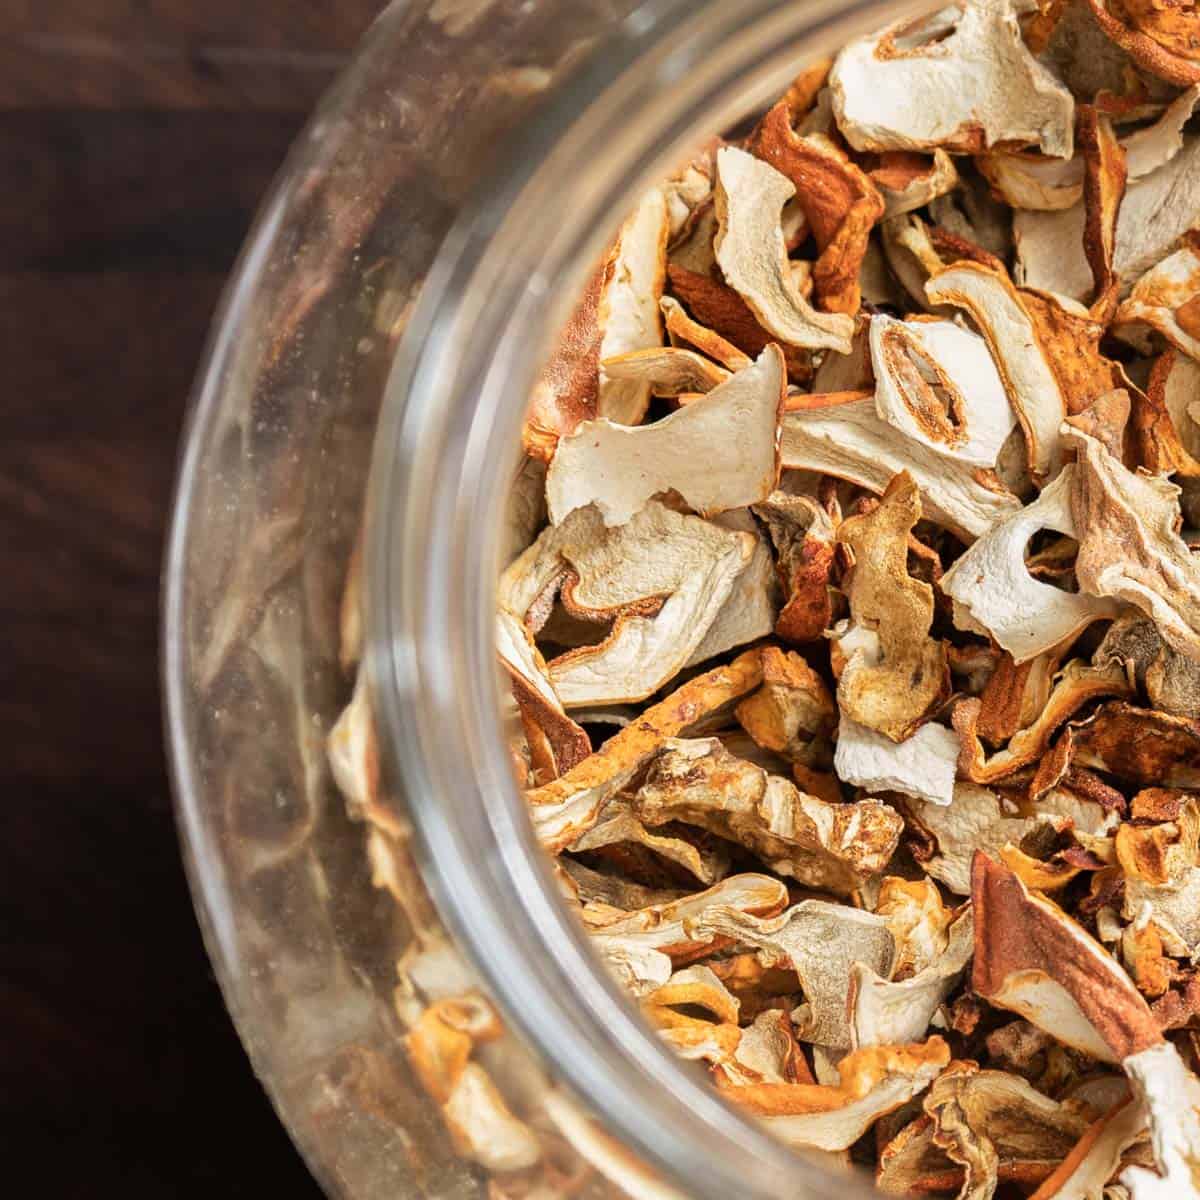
x=821, y=942
x=836, y=847
x=1166, y=300
x=893, y=679
x=995, y=593
x=718, y=453
x=961, y=79
x=751, y=253
x=1160, y=36
x=908, y=181
x=1129, y=548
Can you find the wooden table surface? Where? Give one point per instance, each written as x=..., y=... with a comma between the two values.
x=136, y=139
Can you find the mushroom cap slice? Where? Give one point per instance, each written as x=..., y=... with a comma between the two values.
x=821, y=942
x=835, y=847
x=1012, y=335
x=1032, y=181
x=1170, y=1095
x=791, y=709
x=892, y=685
x=891, y=1012
x=1166, y=300
x=961, y=79
x=628, y=314
x=1129, y=548
x=1032, y=958
x=994, y=592
x=874, y=1081
x=850, y=441
x=922, y=765
x=936, y=382
x=752, y=254
x=718, y=453
x=669, y=370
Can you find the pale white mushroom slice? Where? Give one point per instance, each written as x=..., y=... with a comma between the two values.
x=1030, y=181
x=994, y=592
x=628, y=316
x=888, y=1012
x=1170, y=1094
x=851, y=442
x=1033, y=389
x=669, y=370
x=1129, y=548
x=752, y=254
x=1032, y=958
x=873, y=1082
x=1158, y=209
x=979, y=819
x=962, y=79
x=1181, y=396
x=1156, y=144
x=1166, y=300
x=922, y=765
x=937, y=383
x=821, y=942
x=753, y=605
x=639, y=969
x=835, y=847
x=719, y=452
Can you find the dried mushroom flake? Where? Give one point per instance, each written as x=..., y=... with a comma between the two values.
x=850, y=627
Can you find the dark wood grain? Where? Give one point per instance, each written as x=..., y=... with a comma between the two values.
x=136, y=139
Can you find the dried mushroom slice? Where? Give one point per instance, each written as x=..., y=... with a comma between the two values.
x=1077, y=685
x=887, y=1012
x=1157, y=211
x=1166, y=300
x=873, y=1082
x=1171, y=680
x=891, y=683
x=1012, y=334
x=908, y=181
x=752, y=254
x=804, y=544
x=839, y=201
x=1096, y=1157
x=961, y=79
x=1129, y=546
x=680, y=928
x=995, y=593
x=682, y=328
x=1030, y=957
x=1160, y=35
x=835, y=847
x=1170, y=1095
x=979, y=819
x=791, y=710
x=821, y=942
x=1033, y=181
x=627, y=311
x=850, y=441
x=936, y=383
x=718, y=453
x=669, y=370
x=983, y=1118
x=923, y=765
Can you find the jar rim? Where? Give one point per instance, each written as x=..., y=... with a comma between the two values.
x=452, y=410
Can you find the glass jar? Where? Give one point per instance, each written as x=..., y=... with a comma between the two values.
x=426, y=238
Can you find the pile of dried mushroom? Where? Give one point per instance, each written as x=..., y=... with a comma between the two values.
x=852, y=613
